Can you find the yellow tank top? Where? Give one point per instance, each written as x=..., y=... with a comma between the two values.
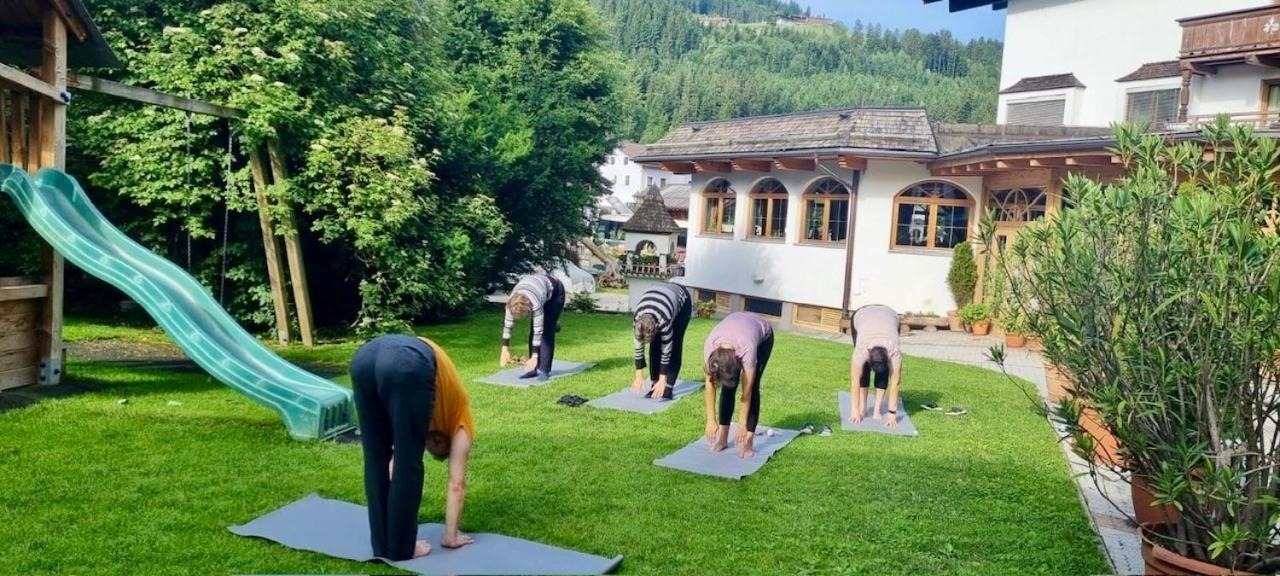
x=452, y=407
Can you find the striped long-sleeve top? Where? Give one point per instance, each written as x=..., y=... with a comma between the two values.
x=662, y=302
x=538, y=289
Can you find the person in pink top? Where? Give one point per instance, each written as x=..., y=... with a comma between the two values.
x=875, y=350
x=738, y=348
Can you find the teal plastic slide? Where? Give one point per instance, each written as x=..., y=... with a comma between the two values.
x=59, y=210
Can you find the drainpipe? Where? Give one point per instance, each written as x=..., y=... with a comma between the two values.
x=855, y=178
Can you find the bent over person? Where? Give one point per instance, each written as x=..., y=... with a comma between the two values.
x=663, y=312
x=409, y=399
x=875, y=351
x=542, y=298
x=737, y=349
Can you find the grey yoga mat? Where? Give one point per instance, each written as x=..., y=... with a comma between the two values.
x=625, y=400
x=868, y=424
x=511, y=376
x=698, y=458
x=341, y=530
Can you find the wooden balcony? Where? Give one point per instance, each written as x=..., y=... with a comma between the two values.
x=1249, y=36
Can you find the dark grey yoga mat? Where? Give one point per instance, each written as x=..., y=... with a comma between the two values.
x=341, y=529
x=904, y=427
x=511, y=376
x=698, y=458
x=625, y=400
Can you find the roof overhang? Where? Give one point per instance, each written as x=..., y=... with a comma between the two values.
x=766, y=161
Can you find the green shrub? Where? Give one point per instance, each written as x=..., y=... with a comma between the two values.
x=1160, y=294
x=963, y=276
x=582, y=302
x=706, y=309
x=974, y=312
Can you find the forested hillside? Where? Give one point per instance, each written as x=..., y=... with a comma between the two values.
x=677, y=69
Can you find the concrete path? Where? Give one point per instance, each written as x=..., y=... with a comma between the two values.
x=1116, y=532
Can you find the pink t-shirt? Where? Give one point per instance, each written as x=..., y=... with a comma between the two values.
x=876, y=325
x=742, y=331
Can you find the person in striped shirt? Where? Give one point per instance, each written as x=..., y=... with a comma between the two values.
x=542, y=298
x=664, y=312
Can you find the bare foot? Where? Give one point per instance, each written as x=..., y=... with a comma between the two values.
x=421, y=548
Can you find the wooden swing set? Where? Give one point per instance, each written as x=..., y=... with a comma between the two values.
x=39, y=40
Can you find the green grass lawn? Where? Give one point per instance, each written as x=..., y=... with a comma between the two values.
x=94, y=486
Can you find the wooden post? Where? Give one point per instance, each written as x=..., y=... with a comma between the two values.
x=17, y=121
x=293, y=248
x=50, y=127
x=275, y=273
x=4, y=125
x=1184, y=97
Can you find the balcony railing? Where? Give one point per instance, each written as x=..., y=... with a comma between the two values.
x=646, y=267
x=1259, y=120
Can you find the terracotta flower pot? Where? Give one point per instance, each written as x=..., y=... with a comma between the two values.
x=981, y=328
x=1143, y=509
x=1014, y=340
x=1105, y=449
x=955, y=324
x=1034, y=344
x=1162, y=561
x=1057, y=382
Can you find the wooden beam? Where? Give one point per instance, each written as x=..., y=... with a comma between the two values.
x=1012, y=164
x=678, y=167
x=153, y=97
x=17, y=122
x=753, y=165
x=51, y=126
x=28, y=82
x=270, y=246
x=28, y=292
x=800, y=164
x=70, y=20
x=293, y=248
x=853, y=162
x=18, y=378
x=1089, y=160
x=713, y=166
x=1043, y=162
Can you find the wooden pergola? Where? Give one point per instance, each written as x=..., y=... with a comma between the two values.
x=39, y=41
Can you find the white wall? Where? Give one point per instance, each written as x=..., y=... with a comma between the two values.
x=629, y=179
x=1232, y=89
x=904, y=279
x=814, y=274
x=1100, y=41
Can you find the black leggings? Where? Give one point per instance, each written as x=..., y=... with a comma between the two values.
x=394, y=381
x=551, y=310
x=727, y=395
x=679, y=324
x=882, y=378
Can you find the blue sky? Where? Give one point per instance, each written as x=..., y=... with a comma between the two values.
x=978, y=22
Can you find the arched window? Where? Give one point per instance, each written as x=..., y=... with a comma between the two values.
x=1019, y=204
x=769, y=210
x=931, y=215
x=719, y=200
x=826, y=212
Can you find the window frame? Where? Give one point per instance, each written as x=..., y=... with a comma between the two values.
x=782, y=310
x=770, y=197
x=719, y=196
x=826, y=198
x=932, y=223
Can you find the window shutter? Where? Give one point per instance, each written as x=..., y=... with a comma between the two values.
x=1047, y=113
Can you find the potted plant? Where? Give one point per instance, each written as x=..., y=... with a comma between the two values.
x=962, y=278
x=1014, y=326
x=977, y=316
x=705, y=309
x=1160, y=296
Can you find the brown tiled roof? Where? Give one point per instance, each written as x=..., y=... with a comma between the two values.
x=651, y=216
x=886, y=130
x=676, y=197
x=632, y=149
x=1153, y=70
x=1052, y=82
x=957, y=138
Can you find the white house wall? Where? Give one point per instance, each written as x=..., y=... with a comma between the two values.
x=797, y=273
x=1102, y=40
x=1231, y=89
